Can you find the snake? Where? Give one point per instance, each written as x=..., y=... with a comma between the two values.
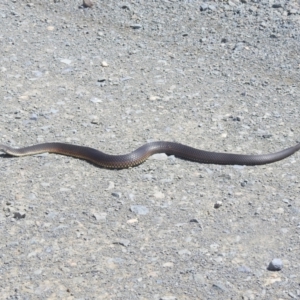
x=142, y=153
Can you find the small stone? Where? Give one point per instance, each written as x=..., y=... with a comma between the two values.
x=136, y=26
x=95, y=100
x=95, y=120
x=203, y=7
x=33, y=117
x=87, y=3
x=111, y=185
x=244, y=183
x=147, y=177
x=153, y=98
x=168, y=264
x=38, y=272
x=104, y=64
x=66, y=61
x=219, y=286
x=125, y=6
x=266, y=136
x=244, y=269
x=117, y=194
x=159, y=156
x=159, y=195
x=238, y=47
x=168, y=298
x=19, y=215
x=194, y=221
x=274, y=36
x=275, y=265
x=292, y=11
x=139, y=209
x=218, y=204
x=132, y=221
x=237, y=118
x=292, y=295
x=100, y=216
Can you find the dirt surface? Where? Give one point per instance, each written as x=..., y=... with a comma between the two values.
x=219, y=76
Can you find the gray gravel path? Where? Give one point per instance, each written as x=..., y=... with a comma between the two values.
x=216, y=75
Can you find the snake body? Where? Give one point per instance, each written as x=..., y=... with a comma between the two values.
x=139, y=155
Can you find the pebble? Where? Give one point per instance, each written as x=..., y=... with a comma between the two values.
x=159, y=156
x=125, y=6
x=147, y=176
x=95, y=120
x=194, y=221
x=139, y=209
x=219, y=286
x=104, y=64
x=275, y=265
x=293, y=11
x=33, y=117
x=95, y=100
x=117, y=194
x=168, y=298
x=203, y=7
x=87, y=3
x=218, y=204
x=136, y=26
x=293, y=296
x=244, y=269
x=159, y=195
x=19, y=215
x=66, y=61
x=100, y=216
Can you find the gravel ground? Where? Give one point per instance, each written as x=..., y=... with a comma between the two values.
x=219, y=76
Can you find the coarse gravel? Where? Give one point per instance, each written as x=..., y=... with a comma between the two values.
x=216, y=75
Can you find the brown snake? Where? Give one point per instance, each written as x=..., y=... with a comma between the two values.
x=139, y=155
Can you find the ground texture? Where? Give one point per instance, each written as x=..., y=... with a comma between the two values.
x=219, y=76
